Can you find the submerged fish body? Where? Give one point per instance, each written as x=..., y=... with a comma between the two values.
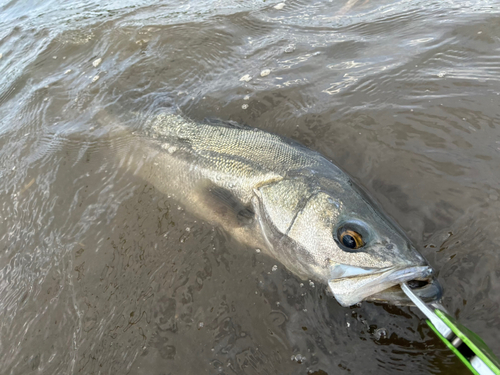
x=272, y=193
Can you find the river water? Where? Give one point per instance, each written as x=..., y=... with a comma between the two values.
x=102, y=274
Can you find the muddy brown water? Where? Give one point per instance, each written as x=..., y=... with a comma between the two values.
x=102, y=274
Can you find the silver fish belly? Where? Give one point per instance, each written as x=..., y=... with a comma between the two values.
x=272, y=193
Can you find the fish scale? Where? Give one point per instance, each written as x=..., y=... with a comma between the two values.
x=224, y=143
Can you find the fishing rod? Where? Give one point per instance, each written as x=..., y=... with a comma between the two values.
x=465, y=344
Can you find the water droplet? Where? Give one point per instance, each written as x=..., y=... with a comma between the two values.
x=97, y=62
x=246, y=78
x=380, y=333
x=299, y=358
x=257, y=250
x=265, y=72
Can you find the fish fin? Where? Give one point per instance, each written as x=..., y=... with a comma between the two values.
x=223, y=203
x=226, y=123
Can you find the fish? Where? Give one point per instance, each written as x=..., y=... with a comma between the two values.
x=274, y=194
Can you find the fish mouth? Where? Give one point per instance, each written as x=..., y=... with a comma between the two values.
x=351, y=285
x=429, y=290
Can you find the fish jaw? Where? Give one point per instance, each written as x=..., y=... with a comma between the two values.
x=351, y=285
x=429, y=293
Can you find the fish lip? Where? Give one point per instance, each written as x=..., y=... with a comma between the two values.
x=432, y=292
x=355, y=284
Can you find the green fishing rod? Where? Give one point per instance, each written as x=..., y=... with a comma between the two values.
x=466, y=345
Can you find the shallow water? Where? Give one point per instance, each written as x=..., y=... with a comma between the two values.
x=101, y=273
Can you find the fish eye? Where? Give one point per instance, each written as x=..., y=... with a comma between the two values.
x=350, y=239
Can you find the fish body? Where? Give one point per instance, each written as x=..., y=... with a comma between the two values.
x=274, y=194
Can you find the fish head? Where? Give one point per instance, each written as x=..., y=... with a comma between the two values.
x=328, y=229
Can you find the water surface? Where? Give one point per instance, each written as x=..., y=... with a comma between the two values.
x=102, y=274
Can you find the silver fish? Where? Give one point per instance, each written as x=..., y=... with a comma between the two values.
x=274, y=194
